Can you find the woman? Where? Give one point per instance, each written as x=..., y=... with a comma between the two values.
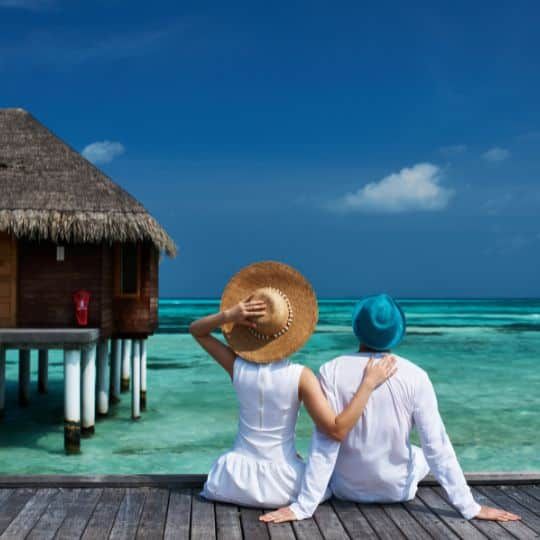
x=268, y=311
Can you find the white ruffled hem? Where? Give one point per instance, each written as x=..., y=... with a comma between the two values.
x=240, y=479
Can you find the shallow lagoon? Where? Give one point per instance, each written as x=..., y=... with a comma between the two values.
x=483, y=358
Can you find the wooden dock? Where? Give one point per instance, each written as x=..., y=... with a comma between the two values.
x=155, y=507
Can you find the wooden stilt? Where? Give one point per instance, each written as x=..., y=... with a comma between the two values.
x=43, y=371
x=143, y=375
x=72, y=401
x=102, y=392
x=136, y=380
x=24, y=377
x=116, y=356
x=126, y=360
x=88, y=373
x=2, y=380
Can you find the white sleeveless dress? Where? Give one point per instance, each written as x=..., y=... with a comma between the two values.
x=263, y=468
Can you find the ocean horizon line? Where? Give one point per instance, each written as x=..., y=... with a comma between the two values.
x=400, y=298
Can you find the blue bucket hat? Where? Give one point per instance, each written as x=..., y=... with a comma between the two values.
x=379, y=322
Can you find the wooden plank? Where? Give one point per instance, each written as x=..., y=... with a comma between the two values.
x=54, y=515
x=228, y=522
x=380, y=521
x=406, y=522
x=329, y=523
x=203, y=519
x=430, y=521
x=102, y=480
x=152, y=522
x=29, y=515
x=79, y=514
x=13, y=505
x=354, y=522
x=128, y=516
x=178, y=515
x=251, y=526
x=102, y=519
x=281, y=531
x=197, y=480
x=307, y=529
x=530, y=519
x=522, y=497
x=532, y=490
x=491, y=478
x=5, y=494
x=453, y=519
x=489, y=528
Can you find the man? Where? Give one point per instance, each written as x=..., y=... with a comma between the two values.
x=376, y=461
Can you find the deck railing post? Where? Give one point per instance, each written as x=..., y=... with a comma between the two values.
x=24, y=377
x=88, y=390
x=102, y=395
x=72, y=401
x=2, y=380
x=116, y=357
x=143, y=375
x=136, y=380
x=126, y=360
x=43, y=370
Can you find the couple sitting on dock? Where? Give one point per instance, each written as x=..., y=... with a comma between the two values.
x=364, y=406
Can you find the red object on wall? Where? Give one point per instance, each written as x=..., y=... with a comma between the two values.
x=81, y=299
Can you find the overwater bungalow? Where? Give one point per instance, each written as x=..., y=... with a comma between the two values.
x=79, y=263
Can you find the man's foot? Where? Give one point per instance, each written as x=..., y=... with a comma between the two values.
x=279, y=516
x=495, y=514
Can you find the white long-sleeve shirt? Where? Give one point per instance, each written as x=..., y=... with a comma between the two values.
x=376, y=461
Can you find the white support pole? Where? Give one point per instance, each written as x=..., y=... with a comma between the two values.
x=2, y=380
x=143, y=374
x=88, y=373
x=72, y=401
x=126, y=359
x=43, y=370
x=24, y=377
x=103, y=393
x=136, y=380
x=116, y=356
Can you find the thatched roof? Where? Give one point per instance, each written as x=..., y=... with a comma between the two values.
x=49, y=191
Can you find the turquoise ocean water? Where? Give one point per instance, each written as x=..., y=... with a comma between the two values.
x=483, y=357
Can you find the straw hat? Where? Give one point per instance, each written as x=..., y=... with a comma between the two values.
x=291, y=311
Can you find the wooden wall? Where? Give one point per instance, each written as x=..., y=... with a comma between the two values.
x=46, y=285
x=139, y=316
x=45, y=288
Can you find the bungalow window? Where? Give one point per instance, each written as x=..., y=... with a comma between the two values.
x=128, y=270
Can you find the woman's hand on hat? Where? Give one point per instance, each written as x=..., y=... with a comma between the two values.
x=376, y=373
x=244, y=312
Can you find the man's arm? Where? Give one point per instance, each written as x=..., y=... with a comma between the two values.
x=442, y=459
x=321, y=462
x=439, y=451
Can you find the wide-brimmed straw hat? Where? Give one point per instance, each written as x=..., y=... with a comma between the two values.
x=379, y=322
x=291, y=311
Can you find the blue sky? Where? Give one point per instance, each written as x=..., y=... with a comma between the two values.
x=391, y=147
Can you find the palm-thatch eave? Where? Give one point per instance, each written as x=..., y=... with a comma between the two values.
x=83, y=226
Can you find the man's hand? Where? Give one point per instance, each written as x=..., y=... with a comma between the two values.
x=279, y=516
x=495, y=514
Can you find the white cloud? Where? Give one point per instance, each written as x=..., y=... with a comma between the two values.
x=453, y=149
x=103, y=151
x=496, y=154
x=414, y=188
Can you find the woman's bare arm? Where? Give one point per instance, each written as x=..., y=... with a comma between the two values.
x=338, y=426
x=240, y=314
